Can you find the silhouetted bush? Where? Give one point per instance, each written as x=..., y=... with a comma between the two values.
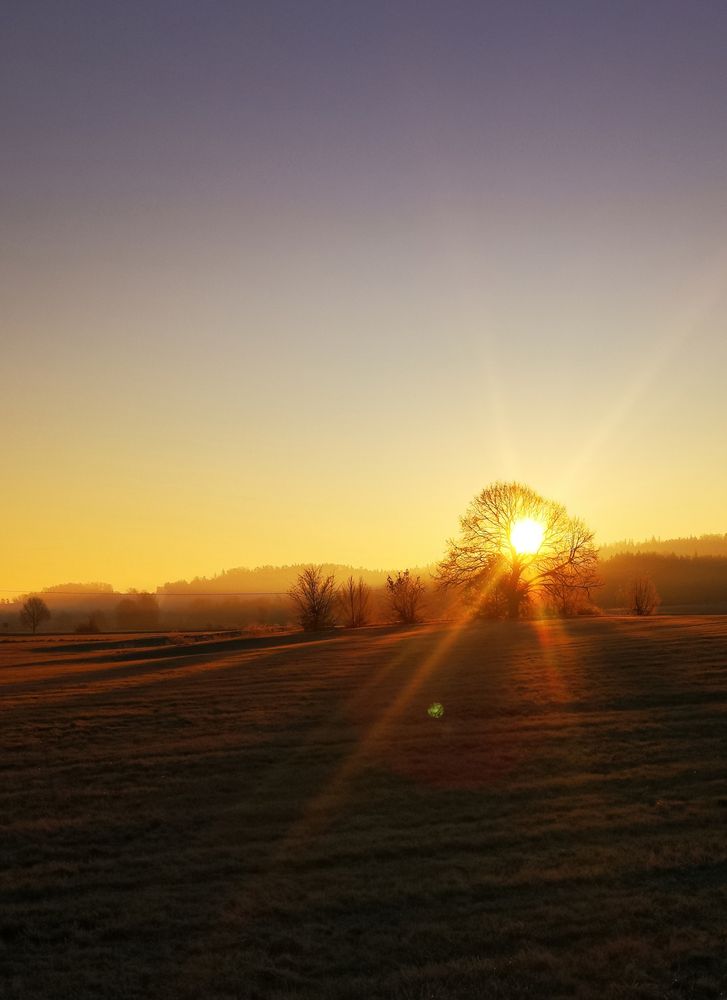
x=354, y=598
x=405, y=596
x=642, y=596
x=314, y=596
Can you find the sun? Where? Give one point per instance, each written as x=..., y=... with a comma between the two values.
x=526, y=536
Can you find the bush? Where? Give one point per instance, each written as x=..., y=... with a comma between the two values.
x=405, y=596
x=314, y=598
x=353, y=599
x=642, y=596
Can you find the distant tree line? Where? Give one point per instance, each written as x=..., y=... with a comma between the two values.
x=635, y=582
x=268, y=579
x=679, y=580
x=75, y=608
x=693, y=545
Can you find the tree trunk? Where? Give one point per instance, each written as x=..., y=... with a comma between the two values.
x=514, y=594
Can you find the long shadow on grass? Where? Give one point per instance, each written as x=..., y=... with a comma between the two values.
x=329, y=852
x=178, y=659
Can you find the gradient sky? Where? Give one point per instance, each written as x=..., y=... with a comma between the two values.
x=291, y=281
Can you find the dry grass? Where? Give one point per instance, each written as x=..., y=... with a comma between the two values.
x=282, y=818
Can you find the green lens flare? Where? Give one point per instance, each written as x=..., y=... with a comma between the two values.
x=436, y=710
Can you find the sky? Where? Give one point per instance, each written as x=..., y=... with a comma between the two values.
x=292, y=281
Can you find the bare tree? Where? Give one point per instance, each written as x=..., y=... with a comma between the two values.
x=515, y=546
x=314, y=597
x=642, y=595
x=405, y=595
x=354, y=598
x=567, y=597
x=34, y=612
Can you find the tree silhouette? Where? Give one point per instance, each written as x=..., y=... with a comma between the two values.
x=405, y=595
x=516, y=546
x=642, y=595
x=314, y=597
x=354, y=598
x=34, y=612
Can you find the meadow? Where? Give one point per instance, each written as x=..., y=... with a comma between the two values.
x=501, y=810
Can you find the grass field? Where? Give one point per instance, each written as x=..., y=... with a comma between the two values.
x=284, y=818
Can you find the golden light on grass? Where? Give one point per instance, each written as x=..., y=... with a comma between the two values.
x=526, y=536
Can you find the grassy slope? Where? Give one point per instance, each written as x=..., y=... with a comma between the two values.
x=289, y=822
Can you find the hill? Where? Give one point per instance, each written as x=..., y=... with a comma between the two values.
x=693, y=545
x=270, y=579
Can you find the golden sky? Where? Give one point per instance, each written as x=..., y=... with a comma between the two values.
x=273, y=293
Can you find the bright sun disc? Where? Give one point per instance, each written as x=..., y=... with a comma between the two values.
x=526, y=536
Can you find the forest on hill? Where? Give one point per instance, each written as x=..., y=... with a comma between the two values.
x=689, y=581
x=693, y=545
x=270, y=579
x=244, y=598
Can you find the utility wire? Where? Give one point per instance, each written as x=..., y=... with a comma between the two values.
x=139, y=593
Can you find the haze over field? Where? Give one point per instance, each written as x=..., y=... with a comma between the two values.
x=290, y=282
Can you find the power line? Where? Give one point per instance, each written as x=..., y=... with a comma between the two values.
x=163, y=593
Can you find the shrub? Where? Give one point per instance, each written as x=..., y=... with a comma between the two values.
x=642, y=596
x=405, y=596
x=314, y=598
x=353, y=599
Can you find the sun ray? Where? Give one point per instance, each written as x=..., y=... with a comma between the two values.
x=705, y=295
x=332, y=795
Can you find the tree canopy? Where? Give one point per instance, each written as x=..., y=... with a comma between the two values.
x=34, y=612
x=405, y=595
x=515, y=546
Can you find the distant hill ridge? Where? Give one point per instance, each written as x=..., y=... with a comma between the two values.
x=270, y=579
x=693, y=545
x=275, y=579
